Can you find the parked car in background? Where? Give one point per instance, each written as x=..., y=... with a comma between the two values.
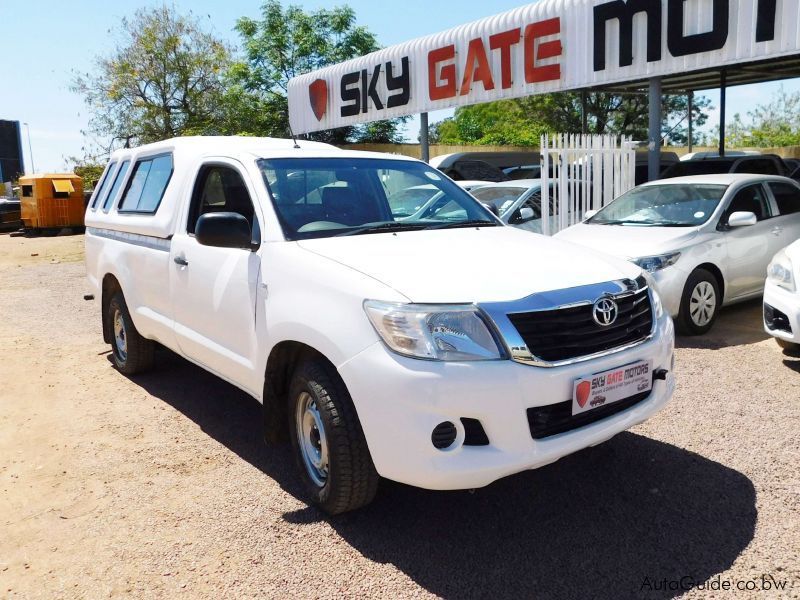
x=642, y=175
x=10, y=219
x=517, y=203
x=707, y=240
x=704, y=154
x=471, y=184
x=782, y=298
x=379, y=346
x=761, y=164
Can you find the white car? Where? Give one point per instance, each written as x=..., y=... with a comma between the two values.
x=517, y=203
x=706, y=239
x=782, y=298
x=408, y=349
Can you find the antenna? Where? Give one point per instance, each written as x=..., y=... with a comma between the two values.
x=294, y=138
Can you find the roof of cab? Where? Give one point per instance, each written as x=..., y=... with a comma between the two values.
x=250, y=147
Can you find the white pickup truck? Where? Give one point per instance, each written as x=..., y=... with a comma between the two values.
x=443, y=352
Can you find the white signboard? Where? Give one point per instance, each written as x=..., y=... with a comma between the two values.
x=548, y=46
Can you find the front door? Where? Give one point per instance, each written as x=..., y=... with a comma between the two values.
x=750, y=248
x=214, y=289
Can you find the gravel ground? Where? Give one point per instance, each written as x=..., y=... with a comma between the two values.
x=159, y=486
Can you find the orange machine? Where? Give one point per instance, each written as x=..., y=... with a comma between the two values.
x=51, y=201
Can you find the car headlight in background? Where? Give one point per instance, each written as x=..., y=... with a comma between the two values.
x=779, y=271
x=651, y=264
x=434, y=332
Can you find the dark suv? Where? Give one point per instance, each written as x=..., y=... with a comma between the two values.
x=761, y=164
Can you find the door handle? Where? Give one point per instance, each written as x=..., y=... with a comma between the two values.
x=179, y=260
x=777, y=230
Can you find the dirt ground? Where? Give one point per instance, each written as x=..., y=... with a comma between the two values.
x=159, y=486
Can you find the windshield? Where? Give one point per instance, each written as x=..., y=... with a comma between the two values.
x=324, y=197
x=670, y=205
x=502, y=198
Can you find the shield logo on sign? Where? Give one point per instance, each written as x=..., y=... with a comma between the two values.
x=582, y=393
x=318, y=94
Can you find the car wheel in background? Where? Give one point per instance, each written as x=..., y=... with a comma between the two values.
x=327, y=440
x=700, y=303
x=130, y=351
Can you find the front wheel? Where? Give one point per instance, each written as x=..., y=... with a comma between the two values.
x=699, y=304
x=327, y=440
x=789, y=347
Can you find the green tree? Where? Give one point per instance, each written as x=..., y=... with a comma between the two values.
x=285, y=43
x=522, y=121
x=776, y=123
x=164, y=79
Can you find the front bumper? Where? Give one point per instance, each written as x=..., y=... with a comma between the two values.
x=787, y=303
x=669, y=284
x=401, y=400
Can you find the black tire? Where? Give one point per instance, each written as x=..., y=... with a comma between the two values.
x=135, y=353
x=351, y=480
x=698, y=282
x=789, y=347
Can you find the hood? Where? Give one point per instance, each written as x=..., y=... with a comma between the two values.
x=629, y=241
x=471, y=265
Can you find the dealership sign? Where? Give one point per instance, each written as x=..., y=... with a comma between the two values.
x=548, y=46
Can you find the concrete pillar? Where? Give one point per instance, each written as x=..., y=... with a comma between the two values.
x=654, y=130
x=691, y=108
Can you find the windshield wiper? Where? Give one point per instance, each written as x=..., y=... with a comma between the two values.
x=383, y=227
x=648, y=223
x=470, y=223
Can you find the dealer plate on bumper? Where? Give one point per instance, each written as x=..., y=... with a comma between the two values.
x=607, y=387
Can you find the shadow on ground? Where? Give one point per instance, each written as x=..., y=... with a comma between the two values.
x=737, y=325
x=595, y=524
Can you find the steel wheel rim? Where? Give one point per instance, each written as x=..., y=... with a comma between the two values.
x=702, y=304
x=120, y=336
x=311, y=439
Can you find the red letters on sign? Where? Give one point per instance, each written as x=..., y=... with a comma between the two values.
x=443, y=76
x=503, y=42
x=447, y=74
x=477, y=68
x=534, y=73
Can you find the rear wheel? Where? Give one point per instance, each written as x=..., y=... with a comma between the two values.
x=700, y=303
x=328, y=442
x=131, y=352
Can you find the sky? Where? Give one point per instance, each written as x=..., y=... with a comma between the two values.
x=50, y=41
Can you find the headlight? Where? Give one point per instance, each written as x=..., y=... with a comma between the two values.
x=779, y=271
x=652, y=264
x=435, y=332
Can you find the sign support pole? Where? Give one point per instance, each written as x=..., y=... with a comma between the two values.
x=584, y=116
x=654, y=146
x=691, y=108
x=425, y=149
x=722, y=84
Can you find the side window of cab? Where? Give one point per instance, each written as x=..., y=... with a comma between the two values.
x=221, y=188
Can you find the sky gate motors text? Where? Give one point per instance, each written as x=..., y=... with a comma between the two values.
x=448, y=78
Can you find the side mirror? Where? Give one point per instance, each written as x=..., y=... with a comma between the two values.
x=742, y=218
x=589, y=214
x=491, y=208
x=224, y=230
x=526, y=214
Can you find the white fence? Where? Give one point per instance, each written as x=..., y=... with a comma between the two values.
x=581, y=173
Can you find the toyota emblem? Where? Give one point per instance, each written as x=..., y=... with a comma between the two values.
x=605, y=312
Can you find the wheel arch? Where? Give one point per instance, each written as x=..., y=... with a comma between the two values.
x=717, y=273
x=110, y=286
x=281, y=363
